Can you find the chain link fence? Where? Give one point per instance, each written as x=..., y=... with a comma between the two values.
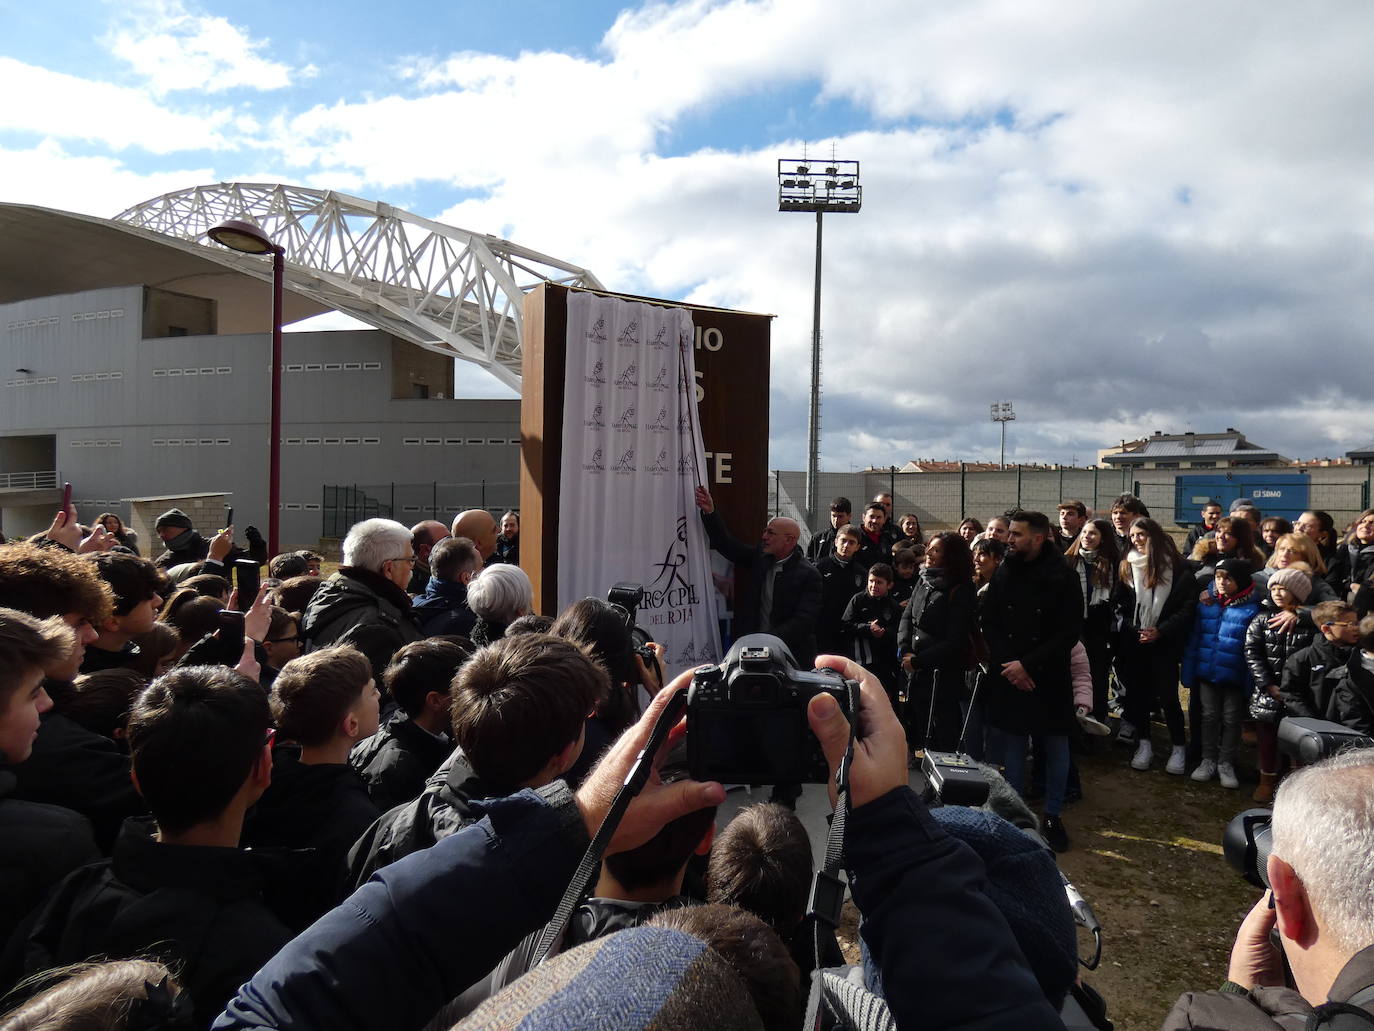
x=411, y=503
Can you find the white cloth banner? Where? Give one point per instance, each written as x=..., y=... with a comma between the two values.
x=631, y=454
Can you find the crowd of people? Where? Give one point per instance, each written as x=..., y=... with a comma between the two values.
x=354, y=800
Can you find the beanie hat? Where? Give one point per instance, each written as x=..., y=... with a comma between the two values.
x=1238, y=570
x=1295, y=580
x=639, y=978
x=1024, y=883
x=173, y=517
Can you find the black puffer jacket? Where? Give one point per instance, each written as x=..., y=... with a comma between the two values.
x=1353, y=700
x=442, y=809
x=199, y=909
x=1267, y=650
x=364, y=609
x=398, y=760
x=1032, y=613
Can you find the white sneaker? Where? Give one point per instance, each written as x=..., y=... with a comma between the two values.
x=1226, y=773
x=1178, y=761
x=1206, y=770
x=1144, y=753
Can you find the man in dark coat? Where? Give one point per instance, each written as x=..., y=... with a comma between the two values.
x=365, y=603
x=184, y=544
x=424, y=536
x=777, y=591
x=841, y=511
x=178, y=887
x=443, y=607
x=1032, y=617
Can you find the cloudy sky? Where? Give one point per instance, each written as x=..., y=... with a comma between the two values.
x=1121, y=217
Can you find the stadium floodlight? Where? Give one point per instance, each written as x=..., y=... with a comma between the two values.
x=835, y=189
x=249, y=239
x=1002, y=413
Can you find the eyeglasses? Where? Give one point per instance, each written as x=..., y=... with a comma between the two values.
x=1342, y=623
x=409, y=559
x=283, y=640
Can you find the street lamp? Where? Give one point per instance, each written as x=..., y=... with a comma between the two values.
x=249, y=239
x=1001, y=412
x=828, y=186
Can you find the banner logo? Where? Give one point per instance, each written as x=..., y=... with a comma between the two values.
x=660, y=425
x=626, y=422
x=629, y=379
x=629, y=336
x=660, y=382
x=595, y=422
x=626, y=465
x=595, y=465
x=597, y=377
x=598, y=331
x=658, y=342
x=660, y=465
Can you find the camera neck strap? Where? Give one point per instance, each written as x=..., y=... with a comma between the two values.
x=591, y=859
x=827, y=889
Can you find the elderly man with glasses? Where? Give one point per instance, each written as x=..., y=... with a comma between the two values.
x=365, y=603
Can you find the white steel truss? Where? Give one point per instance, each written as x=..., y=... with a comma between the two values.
x=448, y=290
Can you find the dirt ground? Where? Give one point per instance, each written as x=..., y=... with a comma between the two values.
x=1146, y=854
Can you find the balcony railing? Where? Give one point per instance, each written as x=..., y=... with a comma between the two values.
x=29, y=481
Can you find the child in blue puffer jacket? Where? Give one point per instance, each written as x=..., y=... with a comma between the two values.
x=1214, y=665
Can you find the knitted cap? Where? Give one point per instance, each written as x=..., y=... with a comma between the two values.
x=173, y=517
x=1295, y=580
x=1238, y=570
x=1024, y=883
x=640, y=978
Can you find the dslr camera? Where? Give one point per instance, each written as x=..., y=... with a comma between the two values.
x=746, y=718
x=627, y=597
x=1248, y=838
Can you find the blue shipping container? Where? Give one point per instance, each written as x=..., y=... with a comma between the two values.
x=1276, y=494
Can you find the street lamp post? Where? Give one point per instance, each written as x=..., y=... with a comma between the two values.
x=833, y=186
x=249, y=239
x=1001, y=412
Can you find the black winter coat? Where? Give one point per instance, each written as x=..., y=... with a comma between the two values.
x=443, y=608
x=877, y=652
x=1353, y=564
x=324, y=807
x=39, y=845
x=1175, y=621
x=840, y=581
x=397, y=761
x=80, y=770
x=198, y=909
x=796, y=594
x=1032, y=613
x=936, y=630
x=1267, y=650
x=364, y=609
x=1310, y=676
x=442, y=809
x=1353, y=701
x=821, y=546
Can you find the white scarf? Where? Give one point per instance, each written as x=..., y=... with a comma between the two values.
x=1093, y=594
x=1149, y=601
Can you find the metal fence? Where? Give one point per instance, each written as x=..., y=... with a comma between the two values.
x=409, y=503
x=28, y=481
x=943, y=500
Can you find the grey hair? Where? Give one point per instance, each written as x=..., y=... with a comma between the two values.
x=1324, y=829
x=370, y=543
x=501, y=592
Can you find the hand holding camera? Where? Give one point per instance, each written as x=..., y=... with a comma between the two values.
x=880, y=743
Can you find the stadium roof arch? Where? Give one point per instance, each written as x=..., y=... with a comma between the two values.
x=447, y=290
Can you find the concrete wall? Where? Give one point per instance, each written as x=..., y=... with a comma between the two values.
x=206, y=512
x=139, y=417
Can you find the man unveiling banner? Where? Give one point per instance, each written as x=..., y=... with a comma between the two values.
x=632, y=456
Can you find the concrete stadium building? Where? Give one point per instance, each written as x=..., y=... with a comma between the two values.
x=137, y=357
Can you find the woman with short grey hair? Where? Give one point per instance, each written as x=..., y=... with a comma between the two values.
x=498, y=596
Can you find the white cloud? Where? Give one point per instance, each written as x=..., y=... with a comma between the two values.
x=68, y=107
x=48, y=176
x=173, y=48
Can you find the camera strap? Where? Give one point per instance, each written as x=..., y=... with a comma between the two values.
x=591, y=859
x=827, y=889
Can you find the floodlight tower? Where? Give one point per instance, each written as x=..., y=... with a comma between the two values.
x=1001, y=412
x=828, y=186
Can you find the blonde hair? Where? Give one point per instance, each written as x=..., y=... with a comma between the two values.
x=1311, y=554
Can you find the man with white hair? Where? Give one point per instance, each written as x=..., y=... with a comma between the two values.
x=365, y=603
x=1321, y=872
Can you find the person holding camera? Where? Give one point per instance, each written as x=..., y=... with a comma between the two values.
x=1319, y=872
